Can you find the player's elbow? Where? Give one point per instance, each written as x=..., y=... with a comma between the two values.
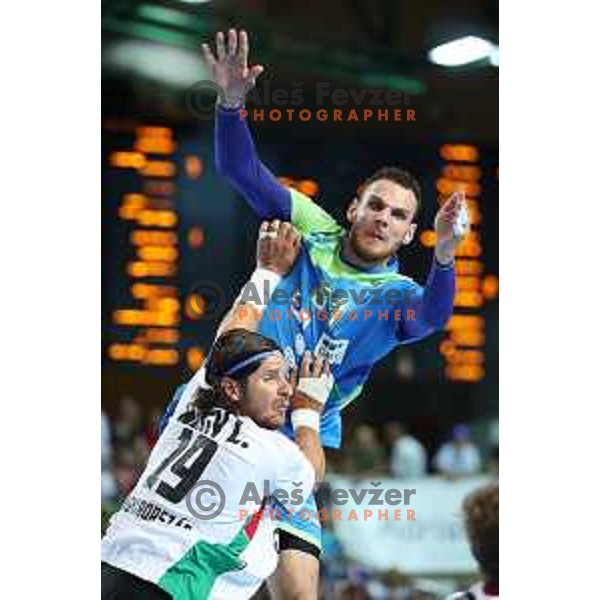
x=437, y=312
x=426, y=318
x=438, y=319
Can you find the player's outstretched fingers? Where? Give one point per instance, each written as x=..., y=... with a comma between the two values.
x=274, y=225
x=220, y=43
x=266, y=234
x=305, y=365
x=455, y=201
x=450, y=211
x=291, y=233
x=208, y=56
x=255, y=72
x=232, y=42
x=243, y=40
x=264, y=246
x=264, y=228
x=326, y=368
x=284, y=230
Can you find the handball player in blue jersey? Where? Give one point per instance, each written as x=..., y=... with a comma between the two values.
x=344, y=298
x=367, y=307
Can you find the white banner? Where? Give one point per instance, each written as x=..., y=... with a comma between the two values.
x=432, y=542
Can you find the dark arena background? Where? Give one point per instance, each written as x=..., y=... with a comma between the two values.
x=170, y=224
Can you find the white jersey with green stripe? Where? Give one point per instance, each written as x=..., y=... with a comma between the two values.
x=191, y=523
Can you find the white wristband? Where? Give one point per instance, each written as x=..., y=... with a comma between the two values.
x=305, y=417
x=262, y=283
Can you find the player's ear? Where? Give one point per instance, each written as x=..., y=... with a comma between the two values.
x=232, y=390
x=410, y=234
x=352, y=208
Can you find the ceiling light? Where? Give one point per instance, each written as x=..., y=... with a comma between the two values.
x=462, y=51
x=495, y=56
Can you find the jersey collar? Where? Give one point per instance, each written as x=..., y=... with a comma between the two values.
x=392, y=264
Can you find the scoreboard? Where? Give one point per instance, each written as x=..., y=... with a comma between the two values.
x=165, y=227
x=464, y=340
x=151, y=317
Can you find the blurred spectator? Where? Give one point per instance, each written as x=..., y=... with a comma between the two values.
x=127, y=469
x=494, y=463
x=458, y=457
x=408, y=458
x=105, y=441
x=152, y=428
x=493, y=434
x=390, y=585
x=334, y=563
x=129, y=423
x=353, y=591
x=482, y=514
x=365, y=455
x=405, y=365
x=108, y=485
x=130, y=439
x=332, y=547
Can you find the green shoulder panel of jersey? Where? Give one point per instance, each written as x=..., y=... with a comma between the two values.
x=323, y=237
x=310, y=218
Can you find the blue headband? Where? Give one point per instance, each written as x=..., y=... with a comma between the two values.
x=250, y=361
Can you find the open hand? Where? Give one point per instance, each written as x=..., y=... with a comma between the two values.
x=451, y=227
x=278, y=246
x=229, y=70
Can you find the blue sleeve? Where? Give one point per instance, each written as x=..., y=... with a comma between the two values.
x=236, y=159
x=432, y=305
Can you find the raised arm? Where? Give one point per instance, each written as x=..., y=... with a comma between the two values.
x=433, y=304
x=235, y=153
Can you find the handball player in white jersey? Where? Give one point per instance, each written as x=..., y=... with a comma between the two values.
x=184, y=533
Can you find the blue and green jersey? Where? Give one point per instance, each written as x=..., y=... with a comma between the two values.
x=353, y=316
